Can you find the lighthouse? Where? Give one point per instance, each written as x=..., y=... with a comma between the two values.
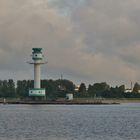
x=37, y=61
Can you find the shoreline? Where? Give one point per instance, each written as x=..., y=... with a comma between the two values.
x=80, y=101
x=123, y=100
x=62, y=103
x=59, y=102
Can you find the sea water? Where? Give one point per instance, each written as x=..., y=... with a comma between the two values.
x=70, y=122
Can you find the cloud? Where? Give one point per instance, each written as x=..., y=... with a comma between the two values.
x=86, y=40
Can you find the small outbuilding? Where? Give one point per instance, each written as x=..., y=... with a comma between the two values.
x=69, y=96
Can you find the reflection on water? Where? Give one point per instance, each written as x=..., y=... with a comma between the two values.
x=70, y=122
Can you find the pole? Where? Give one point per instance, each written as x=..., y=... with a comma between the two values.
x=36, y=75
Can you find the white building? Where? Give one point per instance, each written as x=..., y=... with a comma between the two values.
x=128, y=90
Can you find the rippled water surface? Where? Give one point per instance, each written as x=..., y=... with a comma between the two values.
x=70, y=122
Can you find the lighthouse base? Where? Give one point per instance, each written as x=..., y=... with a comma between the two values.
x=37, y=92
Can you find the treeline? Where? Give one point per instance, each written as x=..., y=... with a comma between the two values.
x=54, y=88
x=58, y=88
x=105, y=91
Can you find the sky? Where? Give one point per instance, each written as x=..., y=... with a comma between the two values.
x=84, y=40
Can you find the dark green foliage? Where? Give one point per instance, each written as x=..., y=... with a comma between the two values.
x=7, y=89
x=54, y=88
x=115, y=92
x=59, y=88
x=51, y=88
x=65, y=85
x=90, y=91
x=98, y=89
x=82, y=92
x=122, y=88
x=11, y=92
x=23, y=87
x=136, y=88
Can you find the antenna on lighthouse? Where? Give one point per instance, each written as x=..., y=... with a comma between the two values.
x=37, y=60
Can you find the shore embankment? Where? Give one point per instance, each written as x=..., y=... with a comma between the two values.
x=78, y=101
x=123, y=100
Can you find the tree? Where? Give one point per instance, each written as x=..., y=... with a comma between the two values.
x=22, y=88
x=51, y=89
x=136, y=88
x=1, y=93
x=90, y=91
x=65, y=85
x=122, y=88
x=4, y=88
x=82, y=90
x=100, y=88
x=11, y=88
x=116, y=92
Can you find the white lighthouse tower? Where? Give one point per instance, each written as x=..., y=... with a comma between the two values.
x=37, y=58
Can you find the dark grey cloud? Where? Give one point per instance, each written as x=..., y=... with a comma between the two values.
x=86, y=40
